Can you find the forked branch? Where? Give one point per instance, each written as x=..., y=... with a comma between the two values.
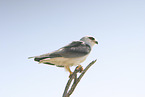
x=69, y=90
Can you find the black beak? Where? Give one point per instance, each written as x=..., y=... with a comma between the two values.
x=96, y=42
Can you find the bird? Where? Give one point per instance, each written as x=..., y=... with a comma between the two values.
x=70, y=55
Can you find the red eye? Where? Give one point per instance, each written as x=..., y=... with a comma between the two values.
x=91, y=38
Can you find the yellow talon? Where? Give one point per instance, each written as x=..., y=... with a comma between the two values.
x=68, y=69
x=80, y=68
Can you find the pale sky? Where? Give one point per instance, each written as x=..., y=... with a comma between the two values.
x=35, y=27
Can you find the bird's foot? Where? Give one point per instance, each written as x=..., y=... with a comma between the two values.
x=80, y=68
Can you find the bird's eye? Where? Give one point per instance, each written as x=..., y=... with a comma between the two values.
x=91, y=38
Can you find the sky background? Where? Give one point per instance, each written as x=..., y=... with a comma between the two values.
x=34, y=27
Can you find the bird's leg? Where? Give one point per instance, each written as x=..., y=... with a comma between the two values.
x=68, y=69
x=80, y=68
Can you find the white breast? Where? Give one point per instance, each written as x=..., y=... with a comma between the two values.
x=61, y=61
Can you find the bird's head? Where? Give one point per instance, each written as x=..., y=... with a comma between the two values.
x=89, y=40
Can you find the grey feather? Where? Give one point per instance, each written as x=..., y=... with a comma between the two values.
x=74, y=49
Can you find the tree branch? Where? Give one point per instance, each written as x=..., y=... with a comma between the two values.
x=67, y=91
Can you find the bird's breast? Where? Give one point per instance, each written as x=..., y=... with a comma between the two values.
x=61, y=61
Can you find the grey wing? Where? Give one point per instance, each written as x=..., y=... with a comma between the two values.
x=41, y=57
x=74, y=49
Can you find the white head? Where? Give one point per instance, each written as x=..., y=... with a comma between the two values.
x=89, y=40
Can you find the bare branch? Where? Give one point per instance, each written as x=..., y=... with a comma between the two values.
x=76, y=80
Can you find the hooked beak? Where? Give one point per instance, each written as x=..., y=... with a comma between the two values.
x=96, y=42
